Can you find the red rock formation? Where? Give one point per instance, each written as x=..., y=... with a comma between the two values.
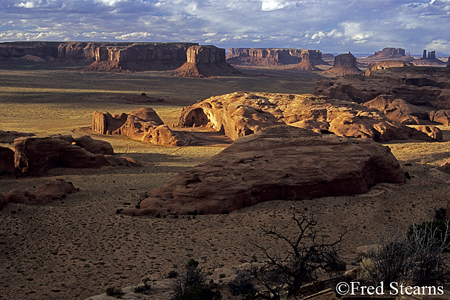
x=432, y=131
x=205, y=61
x=10, y=136
x=344, y=64
x=389, y=53
x=278, y=163
x=48, y=192
x=6, y=161
x=305, y=64
x=272, y=56
x=417, y=86
x=441, y=116
x=35, y=155
x=385, y=64
x=431, y=60
x=398, y=110
x=142, y=125
x=240, y=114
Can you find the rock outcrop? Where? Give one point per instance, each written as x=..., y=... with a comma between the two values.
x=139, y=57
x=48, y=192
x=205, y=61
x=389, y=53
x=272, y=56
x=416, y=85
x=6, y=161
x=305, y=64
x=448, y=62
x=8, y=137
x=385, y=64
x=344, y=64
x=398, y=110
x=429, y=60
x=278, y=163
x=240, y=114
x=143, y=125
x=35, y=155
x=441, y=116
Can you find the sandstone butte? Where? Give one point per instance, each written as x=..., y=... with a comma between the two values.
x=35, y=155
x=273, y=56
x=418, y=86
x=344, y=64
x=277, y=163
x=195, y=60
x=389, y=53
x=142, y=125
x=241, y=113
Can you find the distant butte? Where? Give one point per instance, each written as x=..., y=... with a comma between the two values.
x=124, y=57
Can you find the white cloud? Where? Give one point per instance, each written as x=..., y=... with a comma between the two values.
x=28, y=4
x=109, y=2
x=354, y=31
x=269, y=5
x=440, y=45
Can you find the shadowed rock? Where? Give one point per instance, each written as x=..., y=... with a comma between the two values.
x=35, y=155
x=142, y=125
x=10, y=136
x=441, y=116
x=398, y=110
x=6, y=161
x=278, y=163
x=344, y=64
x=240, y=114
x=49, y=191
x=386, y=64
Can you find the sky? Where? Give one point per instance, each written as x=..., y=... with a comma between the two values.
x=332, y=26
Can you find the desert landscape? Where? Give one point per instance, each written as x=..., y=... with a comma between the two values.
x=111, y=232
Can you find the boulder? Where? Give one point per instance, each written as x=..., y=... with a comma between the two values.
x=205, y=61
x=240, y=113
x=47, y=192
x=142, y=125
x=440, y=116
x=432, y=131
x=277, y=163
x=344, y=64
x=94, y=146
x=6, y=161
x=398, y=110
x=35, y=155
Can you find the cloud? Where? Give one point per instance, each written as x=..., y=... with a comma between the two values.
x=440, y=45
x=269, y=5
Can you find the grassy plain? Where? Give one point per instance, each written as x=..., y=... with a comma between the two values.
x=76, y=248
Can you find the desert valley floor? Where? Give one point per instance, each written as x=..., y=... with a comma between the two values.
x=76, y=248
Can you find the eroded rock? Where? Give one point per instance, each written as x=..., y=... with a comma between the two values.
x=344, y=64
x=239, y=114
x=278, y=163
x=6, y=161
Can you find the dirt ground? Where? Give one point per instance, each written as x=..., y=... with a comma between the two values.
x=78, y=247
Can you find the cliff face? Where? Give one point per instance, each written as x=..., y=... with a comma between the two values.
x=344, y=64
x=389, y=53
x=272, y=56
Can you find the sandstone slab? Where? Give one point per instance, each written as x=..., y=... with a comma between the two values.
x=240, y=114
x=278, y=163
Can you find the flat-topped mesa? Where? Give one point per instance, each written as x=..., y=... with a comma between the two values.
x=389, y=53
x=205, y=61
x=272, y=56
x=385, y=64
x=140, y=57
x=344, y=64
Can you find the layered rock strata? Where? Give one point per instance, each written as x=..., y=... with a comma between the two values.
x=344, y=64
x=278, y=163
x=143, y=125
x=389, y=53
x=240, y=114
x=272, y=56
x=205, y=61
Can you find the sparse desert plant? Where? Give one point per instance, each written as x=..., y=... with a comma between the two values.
x=113, y=291
x=172, y=274
x=242, y=285
x=413, y=258
x=192, y=285
x=307, y=255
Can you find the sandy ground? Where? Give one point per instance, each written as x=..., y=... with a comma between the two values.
x=78, y=247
